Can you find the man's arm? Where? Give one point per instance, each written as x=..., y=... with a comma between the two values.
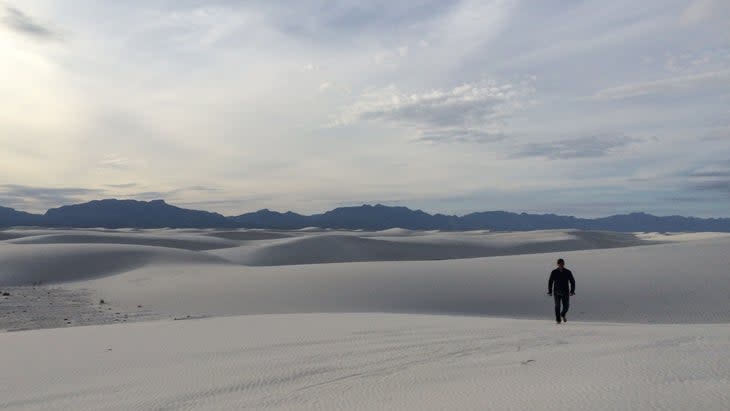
x=550, y=282
x=572, y=282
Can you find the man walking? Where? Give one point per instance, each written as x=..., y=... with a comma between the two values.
x=558, y=283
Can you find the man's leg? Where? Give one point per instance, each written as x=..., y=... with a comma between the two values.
x=566, y=305
x=557, y=307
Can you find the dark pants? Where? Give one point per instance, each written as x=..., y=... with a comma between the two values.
x=565, y=299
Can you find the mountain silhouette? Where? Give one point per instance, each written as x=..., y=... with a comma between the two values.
x=113, y=213
x=132, y=213
x=11, y=217
x=377, y=217
x=272, y=219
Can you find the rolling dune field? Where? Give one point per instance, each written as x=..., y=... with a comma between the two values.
x=324, y=319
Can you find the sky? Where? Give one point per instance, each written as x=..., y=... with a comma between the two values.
x=584, y=108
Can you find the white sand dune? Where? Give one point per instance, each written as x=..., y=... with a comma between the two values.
x=677, y=282
x=397, y=232
x=187, y=242
x=681, y=236
x=400, y=246
x=249, y=235
x=56, y=263
x=361, y=335
x=368, y=362
x=311, y=230
x=646, y=284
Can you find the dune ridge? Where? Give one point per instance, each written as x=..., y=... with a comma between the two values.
x=403, y=245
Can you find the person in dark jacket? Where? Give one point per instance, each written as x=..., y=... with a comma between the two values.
x=561, y=285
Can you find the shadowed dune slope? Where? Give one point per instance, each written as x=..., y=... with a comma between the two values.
x=251, y=235
x=9, y=236
x=57, y=263
x=354, y=247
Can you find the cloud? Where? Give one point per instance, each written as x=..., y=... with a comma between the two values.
x=469, y=112
x=457, y=135
x=124, y=185
x=326, y=22
x=115, y=162
x=173, y=193
x=666, y=85
x=718, y=134
x=718, y=173
x=22, y=23
x=583, y=147
x=44, y=192
x=713, y=177
x=708, y=181
x=702, y=10
x=715, y=169
x=41, y=198
x=468, y=103
x=721, y=186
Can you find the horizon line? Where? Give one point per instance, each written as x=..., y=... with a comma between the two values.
x=370, y=205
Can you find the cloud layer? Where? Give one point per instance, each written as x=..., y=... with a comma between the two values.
x=670, y=85
x=470, y=112
x=576, y=148
x=568, y=107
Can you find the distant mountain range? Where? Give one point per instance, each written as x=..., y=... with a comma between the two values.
x=158, y=214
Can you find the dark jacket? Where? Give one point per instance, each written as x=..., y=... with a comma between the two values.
x=559, y=280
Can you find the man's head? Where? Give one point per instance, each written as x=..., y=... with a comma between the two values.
x=561, y=263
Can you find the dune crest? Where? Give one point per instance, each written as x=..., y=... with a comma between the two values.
x=160, y=239
x=404, y=245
